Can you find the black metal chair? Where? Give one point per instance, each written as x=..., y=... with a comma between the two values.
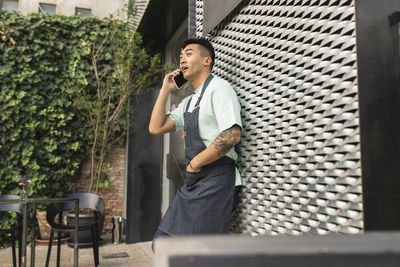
x=16, y=230
x=87, y=201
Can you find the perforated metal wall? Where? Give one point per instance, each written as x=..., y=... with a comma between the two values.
x=293, y=65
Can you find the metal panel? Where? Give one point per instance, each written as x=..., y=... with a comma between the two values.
x=199, y=18
x=293, y=66
x=215, y=11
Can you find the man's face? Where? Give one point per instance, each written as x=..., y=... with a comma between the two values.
x=192, y=61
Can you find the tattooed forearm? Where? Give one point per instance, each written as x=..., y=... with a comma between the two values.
x=226, y=140
x=222, y=146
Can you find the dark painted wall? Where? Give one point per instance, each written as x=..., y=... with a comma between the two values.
x=160, y=21
x=144, y=175
x=379, y=100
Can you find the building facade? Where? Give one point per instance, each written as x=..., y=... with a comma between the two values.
x=320, y=143
x=99, y=8
x=319, y=86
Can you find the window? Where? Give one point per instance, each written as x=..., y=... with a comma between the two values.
x=47, y=8
x=83, y=12
x=9, y=4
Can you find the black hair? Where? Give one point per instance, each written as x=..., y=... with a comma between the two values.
x=205, y=44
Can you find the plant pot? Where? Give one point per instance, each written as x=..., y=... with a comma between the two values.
x=44, y=227
x=84, y=237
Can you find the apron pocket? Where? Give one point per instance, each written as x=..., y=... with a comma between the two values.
x=193, y=182
x=192, y=177
x=192, y=187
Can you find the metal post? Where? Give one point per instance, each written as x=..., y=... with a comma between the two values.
x=117, y=230
x=24, y=233
x=33, y=236
x=76, y=252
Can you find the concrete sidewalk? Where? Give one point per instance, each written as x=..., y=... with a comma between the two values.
x=121, y=255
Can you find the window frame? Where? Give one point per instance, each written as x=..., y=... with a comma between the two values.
x=2, y=1
x=83, y=9
x=41, y=10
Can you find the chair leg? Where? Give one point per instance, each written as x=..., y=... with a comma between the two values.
x=20, y=246
x=58, y=248
x=49, y=249
x=95, y=242
x=13, y=249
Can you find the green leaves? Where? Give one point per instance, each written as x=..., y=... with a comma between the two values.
x=43, y=134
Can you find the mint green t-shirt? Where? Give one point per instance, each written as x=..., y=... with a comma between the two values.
x=219, y=111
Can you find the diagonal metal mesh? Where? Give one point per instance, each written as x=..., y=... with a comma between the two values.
x=199, y=18
x=293, y=66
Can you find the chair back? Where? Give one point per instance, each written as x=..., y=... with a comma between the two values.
x=86, y=201
x=17, y=207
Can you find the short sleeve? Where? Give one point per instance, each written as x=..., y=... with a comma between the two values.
x=177, y=114
x=226, y=107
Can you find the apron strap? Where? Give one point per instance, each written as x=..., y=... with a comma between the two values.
x=208, y=80
x=188, y=104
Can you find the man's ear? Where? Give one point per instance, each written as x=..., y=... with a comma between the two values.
x=207, y=61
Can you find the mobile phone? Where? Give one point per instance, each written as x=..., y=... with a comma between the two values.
x=179, y=80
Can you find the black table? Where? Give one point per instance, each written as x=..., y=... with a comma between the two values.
x=25, y=215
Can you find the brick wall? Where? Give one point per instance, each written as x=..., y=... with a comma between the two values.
x=114, y=194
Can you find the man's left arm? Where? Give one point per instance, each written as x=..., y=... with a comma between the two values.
x=221, y=145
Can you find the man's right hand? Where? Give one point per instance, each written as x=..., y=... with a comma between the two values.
x=168, y=83
x=160, y=123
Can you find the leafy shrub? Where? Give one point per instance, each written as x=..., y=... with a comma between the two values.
x=43, y=134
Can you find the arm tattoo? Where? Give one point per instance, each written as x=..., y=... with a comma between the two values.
x=225, y=141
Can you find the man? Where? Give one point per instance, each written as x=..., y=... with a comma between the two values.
x=211, y=122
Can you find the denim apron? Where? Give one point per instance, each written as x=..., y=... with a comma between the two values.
x=203, y=205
